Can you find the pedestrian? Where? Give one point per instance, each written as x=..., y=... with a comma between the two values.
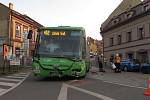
x=111, y=60
x=100, y=64
x=117, y=63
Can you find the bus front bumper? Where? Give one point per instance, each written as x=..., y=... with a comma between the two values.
x=56, y=73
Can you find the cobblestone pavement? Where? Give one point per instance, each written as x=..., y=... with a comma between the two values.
x=131, y=79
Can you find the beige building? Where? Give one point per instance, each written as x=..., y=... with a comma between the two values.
x=128, y=33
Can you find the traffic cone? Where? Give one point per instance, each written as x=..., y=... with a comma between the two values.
x=147, y=92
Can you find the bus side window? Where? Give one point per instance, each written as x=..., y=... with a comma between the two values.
x=84, y=48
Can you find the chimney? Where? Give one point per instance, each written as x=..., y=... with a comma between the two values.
x=11, y=6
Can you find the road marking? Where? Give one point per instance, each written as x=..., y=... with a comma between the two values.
x=9, y=79
x=15, y=76
x=117, y=83
x=7, y=84
x=90, y=93
x=63, y=92
x=1, y=90
x=4, y=92
x=21, y=75
x=133, y=86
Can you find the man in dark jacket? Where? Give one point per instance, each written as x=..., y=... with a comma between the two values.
x=100, y=64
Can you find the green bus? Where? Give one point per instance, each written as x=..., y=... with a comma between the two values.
x=61, y=51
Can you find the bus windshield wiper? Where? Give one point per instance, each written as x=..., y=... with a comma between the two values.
x=69, y=58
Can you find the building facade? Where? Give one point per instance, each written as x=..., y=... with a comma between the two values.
x=14, y=28
x=129, y=33
x=95, y=46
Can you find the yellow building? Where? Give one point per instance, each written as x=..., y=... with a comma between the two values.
x=92, y=45
x=15, y=29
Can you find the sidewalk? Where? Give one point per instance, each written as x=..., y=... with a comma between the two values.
x=134, y=79
x=13, y=69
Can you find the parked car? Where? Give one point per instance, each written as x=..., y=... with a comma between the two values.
x=130, y=65
x=145, y=68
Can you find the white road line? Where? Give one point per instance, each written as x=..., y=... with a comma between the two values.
x=90, y=93
x=117, y=83
x=1, y=90
x=133, y=86
x=14, y=86
x=9, y=79
x=63, y=92
x=20, y=75
x=7, y=84
x=14, y=76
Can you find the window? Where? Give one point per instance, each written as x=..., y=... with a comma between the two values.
x=141, y=33
x=130, y=14
x=119, y=39
x=18, y=30
x=149, y=29
x=34, y=36
x=25, y=32
x=129, y=36
x=116, y=20
x=146, y=8
x=111, y=41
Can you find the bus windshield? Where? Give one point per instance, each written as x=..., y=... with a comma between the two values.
x=55, y=46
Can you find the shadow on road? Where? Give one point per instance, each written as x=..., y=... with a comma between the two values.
x=52, y=79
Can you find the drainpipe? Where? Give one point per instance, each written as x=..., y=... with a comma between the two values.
x=10, y=24
x=103, y=47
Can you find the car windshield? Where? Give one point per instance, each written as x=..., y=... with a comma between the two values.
x=59, y=46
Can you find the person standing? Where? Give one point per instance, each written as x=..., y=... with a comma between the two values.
x=111, y=60
x=100, y=64
x=117, y=63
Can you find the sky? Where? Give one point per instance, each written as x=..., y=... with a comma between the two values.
x=89, y=14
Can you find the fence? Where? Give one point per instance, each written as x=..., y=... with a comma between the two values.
x=8, y=67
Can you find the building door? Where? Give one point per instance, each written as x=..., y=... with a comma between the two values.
x=143, y=56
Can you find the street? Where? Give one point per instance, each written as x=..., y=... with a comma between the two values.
x=75, y=50
x=96, y=86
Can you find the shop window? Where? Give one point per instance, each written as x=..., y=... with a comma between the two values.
x=18, y=30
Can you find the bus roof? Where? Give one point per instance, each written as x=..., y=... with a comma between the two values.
x=63, y=28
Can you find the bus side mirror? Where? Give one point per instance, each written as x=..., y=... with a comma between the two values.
x=30, y=34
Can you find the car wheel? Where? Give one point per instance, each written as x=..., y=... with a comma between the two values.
x=125, y=68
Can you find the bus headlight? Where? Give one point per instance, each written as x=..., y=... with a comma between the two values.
x=36, y=69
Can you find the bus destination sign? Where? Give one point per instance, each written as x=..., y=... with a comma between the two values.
x=54, y=33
